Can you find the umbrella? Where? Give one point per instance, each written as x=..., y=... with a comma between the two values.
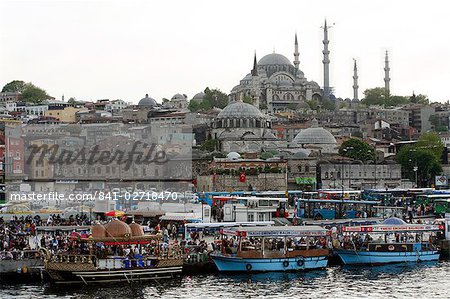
x=115, y=213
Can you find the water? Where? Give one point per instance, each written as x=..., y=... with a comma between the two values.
x=425, y=280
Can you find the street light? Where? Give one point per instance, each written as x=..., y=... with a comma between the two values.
x=415, y=170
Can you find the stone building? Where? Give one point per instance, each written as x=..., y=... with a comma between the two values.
x=225, y=174
x=315, y=138
x=332, y=175
x=241, y=127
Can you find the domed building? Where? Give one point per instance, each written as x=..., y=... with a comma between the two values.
x=241, y=127
x=275, y=83
x=139, y=113
x=178, y=101
x=316, y=138
x=147, y=102
x=198, y=97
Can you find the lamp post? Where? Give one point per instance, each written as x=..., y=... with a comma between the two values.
x=415, y=171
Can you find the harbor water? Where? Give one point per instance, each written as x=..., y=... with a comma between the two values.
x=423, y=280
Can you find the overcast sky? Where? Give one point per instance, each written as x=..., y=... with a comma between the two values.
x=124, y=49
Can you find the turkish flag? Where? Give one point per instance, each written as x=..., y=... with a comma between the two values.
x=242, y=177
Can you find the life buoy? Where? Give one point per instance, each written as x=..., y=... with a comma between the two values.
x=391, y=247
x=300, y=262
x=248, y=267
x=285, y=264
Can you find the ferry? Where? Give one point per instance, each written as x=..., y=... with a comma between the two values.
x=272, y=248
x=116, y=252
x=392, y=241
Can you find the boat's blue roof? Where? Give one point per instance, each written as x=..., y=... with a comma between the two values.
x=394, y=221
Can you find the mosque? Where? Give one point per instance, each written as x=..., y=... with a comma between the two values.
x=275, y=84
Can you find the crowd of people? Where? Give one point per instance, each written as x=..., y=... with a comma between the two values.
x=20, y=234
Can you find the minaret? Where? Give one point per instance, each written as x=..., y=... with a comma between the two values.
x=296, y=54
x=255, y=83
x=326, y=63
x=255, y=67
x=355, y=82
x=387, y=79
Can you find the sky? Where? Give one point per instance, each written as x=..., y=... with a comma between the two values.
x=124, y=49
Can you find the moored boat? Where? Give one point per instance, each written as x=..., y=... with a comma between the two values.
x=116, y=252
x=397, y=242
x=262, y=249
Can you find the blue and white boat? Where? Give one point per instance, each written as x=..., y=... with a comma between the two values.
x=263, y=249
x=397, y=242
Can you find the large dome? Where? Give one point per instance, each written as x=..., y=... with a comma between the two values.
x=147, y=102
x=314, y=135
x=274, y=59
x=240, y=110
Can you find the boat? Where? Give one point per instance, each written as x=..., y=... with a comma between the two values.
x=116, y=252
x=397, y=242
x=272, y=248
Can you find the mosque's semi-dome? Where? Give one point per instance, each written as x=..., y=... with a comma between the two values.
x=147, y=102
x=274, y=59
x=314, y=135
x=240, y=110
x=199, y=97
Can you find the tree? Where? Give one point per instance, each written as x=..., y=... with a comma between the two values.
x=212, y=98
x=209, y=145
x=419, y=99
x=33, y=94
x=328, y=104
x=262, y=106
x=358, y=150
x=374, y=96
x=432, y=143
x=14, y=86
x=437, y=125
x=292, y=106
x=312, y=104
x=30, y=92
x=428, y=165
x=72, y=101
x=215, y=98
x=193, y=106
x=248, y=100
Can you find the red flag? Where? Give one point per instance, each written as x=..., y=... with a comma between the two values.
x=194, y=182
x=242, y=177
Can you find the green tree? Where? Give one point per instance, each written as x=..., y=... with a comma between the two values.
x=14, y=86
x=193, y=106
x=313, y=104
x=292, y=106
x=248, y=100
x=419, y=99
x=328, y=104
x=432, y=143
x=209, y=145
x=357, y=149
x=374, y=96
x=428, y=165
x=215, y=98
x=34, y=94
x=263, y=106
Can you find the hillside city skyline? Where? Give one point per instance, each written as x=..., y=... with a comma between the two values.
x=143, y=57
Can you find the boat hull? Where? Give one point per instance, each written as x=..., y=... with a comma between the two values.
x=237, y=264
x=352, y=257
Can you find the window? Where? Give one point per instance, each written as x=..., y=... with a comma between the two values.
x=306, y=168
x=260, y=217
x=250, y=217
